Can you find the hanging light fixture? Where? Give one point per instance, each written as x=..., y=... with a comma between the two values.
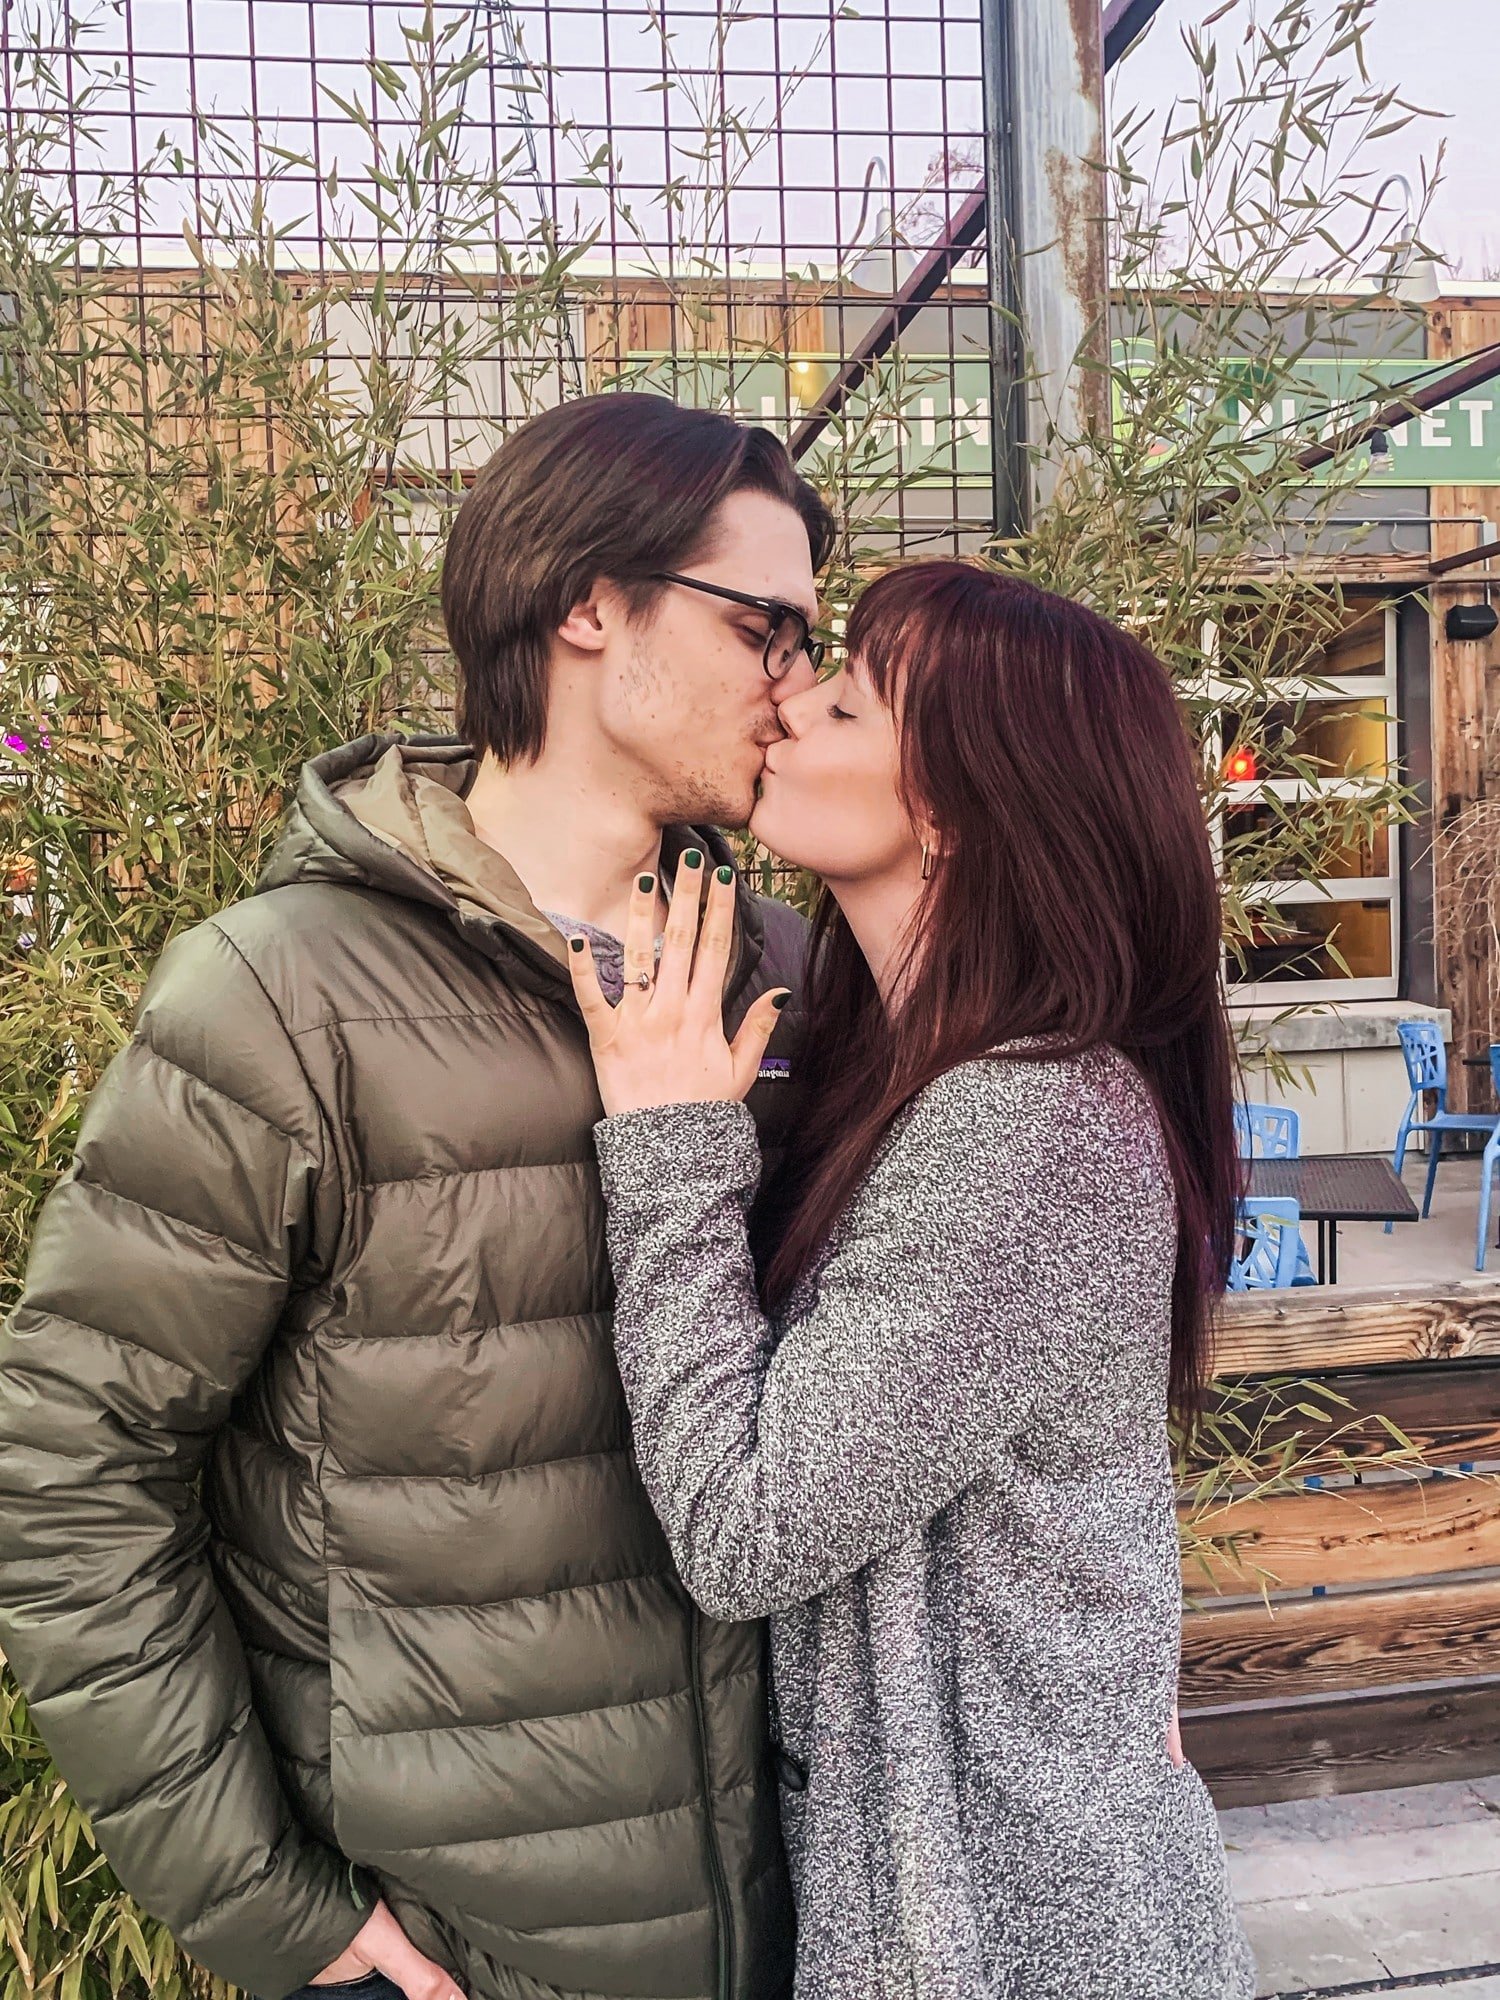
x=1411, y=274
x=886, y=262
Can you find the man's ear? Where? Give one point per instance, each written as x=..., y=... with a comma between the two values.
x=585, y=624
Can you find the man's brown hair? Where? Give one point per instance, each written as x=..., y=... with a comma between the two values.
x=615, y=486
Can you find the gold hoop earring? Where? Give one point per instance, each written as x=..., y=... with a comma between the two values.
x=926, y=862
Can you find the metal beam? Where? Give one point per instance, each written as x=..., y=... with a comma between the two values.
x=1005, y=242
x=964, y=229
x=1124, y=22
x=1444, y=565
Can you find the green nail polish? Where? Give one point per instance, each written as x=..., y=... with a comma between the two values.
x=726, y=876
x=692, y=859
x=646, y=884
x=780, y=1001
x=575, y=944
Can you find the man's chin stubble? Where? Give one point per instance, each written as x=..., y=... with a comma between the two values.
x=712, y=805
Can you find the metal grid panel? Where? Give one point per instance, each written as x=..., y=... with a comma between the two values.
x=753, y=186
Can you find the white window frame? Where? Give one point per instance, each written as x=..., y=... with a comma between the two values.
x=1376, y=691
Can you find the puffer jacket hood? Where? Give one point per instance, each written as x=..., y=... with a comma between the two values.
x=386, y=812
x=413, y=801
x=324, y=1558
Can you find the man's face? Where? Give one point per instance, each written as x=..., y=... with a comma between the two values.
x=683, y=692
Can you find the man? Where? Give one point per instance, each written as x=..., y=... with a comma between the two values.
x=412, y=1688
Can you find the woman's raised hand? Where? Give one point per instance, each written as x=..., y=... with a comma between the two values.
x=665, y=1042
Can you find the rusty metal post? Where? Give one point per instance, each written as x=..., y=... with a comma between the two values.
x=1055, y=142
x=1008, y=454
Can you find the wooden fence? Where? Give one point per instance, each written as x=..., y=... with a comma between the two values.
x=1374, y=1656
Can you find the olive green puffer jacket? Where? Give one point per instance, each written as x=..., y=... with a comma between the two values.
x=332, y=1240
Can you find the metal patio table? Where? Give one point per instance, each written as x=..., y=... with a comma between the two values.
x=1331, y=1188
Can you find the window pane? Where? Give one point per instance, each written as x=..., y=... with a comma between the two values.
x=1256, y=644
x=1343, y=738
x=1360, y=650
x=1297, y=948
x=1275, y=842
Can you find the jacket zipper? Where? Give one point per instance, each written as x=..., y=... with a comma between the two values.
x=715, y=1859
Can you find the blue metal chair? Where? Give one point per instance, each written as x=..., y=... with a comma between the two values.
x=1427, y=1070
x=1274, y=1132
x=1487, y=1168
x=1269, y=1233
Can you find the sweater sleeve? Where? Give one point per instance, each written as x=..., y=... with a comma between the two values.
x=777, y=1469
x=159, y=1269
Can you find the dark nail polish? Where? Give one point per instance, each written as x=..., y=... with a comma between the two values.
x=726, y=876
x=575, y=944
x=646, y=884
x=780, y=1001
x=692, y=859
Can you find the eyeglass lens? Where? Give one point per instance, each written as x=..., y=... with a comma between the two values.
x=785, y=643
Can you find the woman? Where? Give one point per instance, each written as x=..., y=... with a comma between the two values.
x=925, y=1429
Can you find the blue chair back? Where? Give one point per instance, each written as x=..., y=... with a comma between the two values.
x=1270, y=1238
x=1495, y=1066
x=1426, y=1058
x=1268, y=1132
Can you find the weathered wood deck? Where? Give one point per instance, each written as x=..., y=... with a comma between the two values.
x=1371, y=1656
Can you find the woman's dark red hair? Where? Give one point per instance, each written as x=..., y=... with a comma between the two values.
x=1074, y=897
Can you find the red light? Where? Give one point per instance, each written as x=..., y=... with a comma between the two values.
x=1239, y=767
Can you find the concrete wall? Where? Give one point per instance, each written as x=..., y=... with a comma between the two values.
x=1348, y=1081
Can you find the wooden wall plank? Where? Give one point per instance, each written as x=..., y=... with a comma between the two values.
x=1360, y=1535
x=1248, y=1755
x=1451, y=1414
x=1330, y=1645
x=1463, y=730
x=1319, y=1327
x=641, y=316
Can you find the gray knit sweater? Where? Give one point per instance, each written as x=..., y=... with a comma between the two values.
x=944, y=1474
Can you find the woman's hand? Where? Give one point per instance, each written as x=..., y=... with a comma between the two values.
x=664, y=1043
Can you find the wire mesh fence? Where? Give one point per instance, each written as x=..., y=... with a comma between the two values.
x=287, y=272
x=723, y=202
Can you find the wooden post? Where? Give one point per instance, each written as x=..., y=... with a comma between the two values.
x=1060, y=147
x=1465, y=753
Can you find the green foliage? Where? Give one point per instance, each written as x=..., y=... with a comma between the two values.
x=1256, y=1439
x=220, y=542
x=66, y=1932
x=1188, y=515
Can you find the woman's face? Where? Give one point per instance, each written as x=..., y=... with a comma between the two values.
x=830, y=797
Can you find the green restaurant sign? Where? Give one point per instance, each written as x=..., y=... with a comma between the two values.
x=933, y=421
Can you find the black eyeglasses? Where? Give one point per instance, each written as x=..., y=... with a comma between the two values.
x=790, y=633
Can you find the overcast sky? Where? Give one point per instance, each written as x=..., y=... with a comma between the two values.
x=898, y=81
x=1443, y=55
